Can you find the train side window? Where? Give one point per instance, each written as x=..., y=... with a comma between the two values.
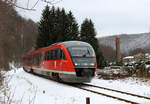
x=55, y=54
x=37, y=59
x=34, y=60
x=40, y=58
x=45, y=55
x=58, y=54
x=48, y=55
x=62, y=55
x=28, y=60
x=52, y=54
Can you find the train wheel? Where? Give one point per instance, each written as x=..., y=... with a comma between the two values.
x=24, y=69
x=31, y=71
x=56, y=77
x=28, y=70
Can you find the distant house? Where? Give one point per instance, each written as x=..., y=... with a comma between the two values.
x=147, y=55
x=128, y=59
x=140, y=57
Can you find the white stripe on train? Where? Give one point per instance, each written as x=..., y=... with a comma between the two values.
x=64, y=72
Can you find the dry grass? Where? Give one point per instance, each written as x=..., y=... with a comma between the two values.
x=1, y=79
x=7, y=95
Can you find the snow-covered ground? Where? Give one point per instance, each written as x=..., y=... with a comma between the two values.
x=27, y=88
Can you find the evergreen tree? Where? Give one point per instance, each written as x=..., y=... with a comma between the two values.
x=52, y=26
x=88, y=34
x=56, y=26
x=72, y=29
x=61, y=19
x=43, y=29
x=67, y=27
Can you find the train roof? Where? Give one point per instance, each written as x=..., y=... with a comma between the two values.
x=69, y=44
x=66, y=43
x=75, y=43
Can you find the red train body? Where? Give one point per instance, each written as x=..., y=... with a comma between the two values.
x=71, y=61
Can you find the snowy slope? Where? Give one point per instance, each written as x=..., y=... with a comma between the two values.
x=128, y=42
x=32, y=89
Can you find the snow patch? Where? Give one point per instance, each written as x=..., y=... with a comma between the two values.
x=29, y=88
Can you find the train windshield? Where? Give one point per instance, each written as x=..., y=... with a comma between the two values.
x=81, y=51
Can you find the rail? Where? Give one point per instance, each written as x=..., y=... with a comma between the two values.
x=107, y=95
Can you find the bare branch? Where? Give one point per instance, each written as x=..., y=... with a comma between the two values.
x=52, y=2
x=14, y=3
x=35, y=4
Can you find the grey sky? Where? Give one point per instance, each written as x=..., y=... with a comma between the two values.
x=110, y=17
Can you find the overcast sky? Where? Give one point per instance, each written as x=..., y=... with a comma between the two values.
x=110, y=17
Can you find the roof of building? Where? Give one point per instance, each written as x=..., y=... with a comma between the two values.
x=129, y=57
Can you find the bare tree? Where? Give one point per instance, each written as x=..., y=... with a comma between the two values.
x=108, y=52
x=14, y=41
x=14, y=3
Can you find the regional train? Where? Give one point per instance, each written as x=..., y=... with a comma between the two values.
x=70, y=61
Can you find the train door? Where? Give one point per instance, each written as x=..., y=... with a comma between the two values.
x=52, y=60
x=48, y=62
x=42, y=62
x=58, y=59
x=63, y=61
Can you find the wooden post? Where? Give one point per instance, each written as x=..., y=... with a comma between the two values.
x=87, y=100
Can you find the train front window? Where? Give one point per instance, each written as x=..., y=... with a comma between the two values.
x=81, y=51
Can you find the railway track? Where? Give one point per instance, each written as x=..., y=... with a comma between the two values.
x=84, y=87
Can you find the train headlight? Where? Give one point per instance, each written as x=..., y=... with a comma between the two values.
x=92, y=64
x=76, y=64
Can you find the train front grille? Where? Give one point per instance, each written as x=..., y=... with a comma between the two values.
x=85, y=72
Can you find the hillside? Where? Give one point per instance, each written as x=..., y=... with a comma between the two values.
x=17, y=35
x=128, y=42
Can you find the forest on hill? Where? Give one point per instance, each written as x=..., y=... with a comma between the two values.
x=16, y=33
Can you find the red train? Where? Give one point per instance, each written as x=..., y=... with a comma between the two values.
x=70, y=61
